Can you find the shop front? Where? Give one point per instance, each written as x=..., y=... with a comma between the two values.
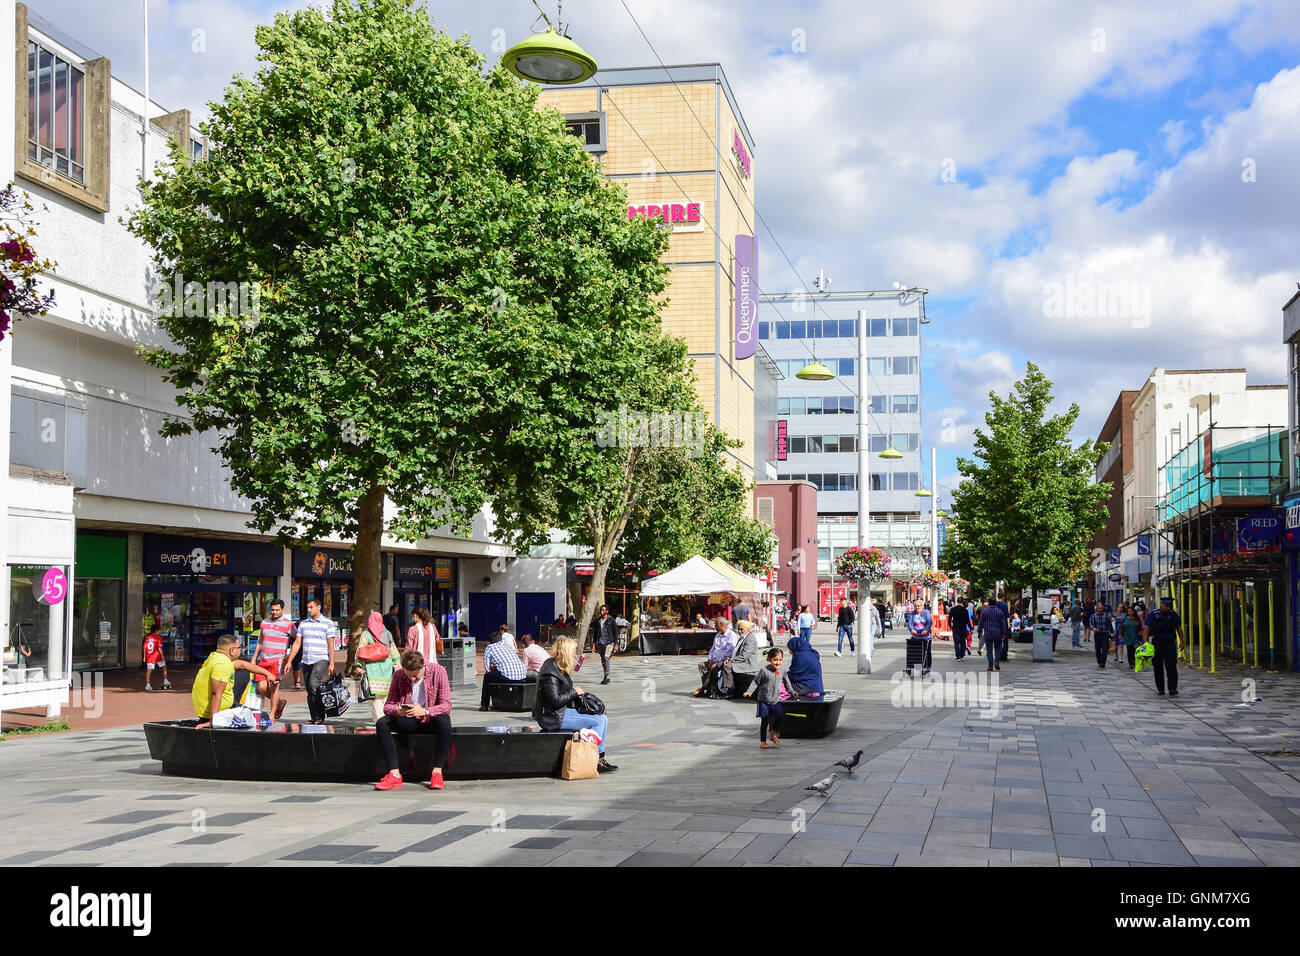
x=196, y=589
x=423, y=580
x=326, y=575
x=98, y=604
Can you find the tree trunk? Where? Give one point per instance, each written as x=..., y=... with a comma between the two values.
x=366, y=566
x=603, y=556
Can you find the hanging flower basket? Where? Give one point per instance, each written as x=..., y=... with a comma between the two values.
x=863, y=564
x=959, y=585
x=933, y=579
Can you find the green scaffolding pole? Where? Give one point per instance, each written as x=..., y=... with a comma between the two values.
x=1256, y=616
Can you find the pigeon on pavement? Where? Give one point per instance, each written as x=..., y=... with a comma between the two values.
x=848, y=763
x=823, y=786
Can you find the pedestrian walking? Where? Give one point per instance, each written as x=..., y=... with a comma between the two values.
x=271, y=653
x=1164, y=629
x=920, y=628
x=1102, y=630
x=1076, y=625
x=1117, y=637
x=604, y=632
x=959, y=621
x=993, y=631
x=1127, y=631
x=315, y=639
x=844, y=627
x=806, y=622
x=152, y=648
x=767, y=691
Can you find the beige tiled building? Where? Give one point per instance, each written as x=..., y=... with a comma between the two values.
x=675, y=139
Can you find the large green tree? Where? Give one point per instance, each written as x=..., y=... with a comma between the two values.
x=1027, y=504
x=447, y=282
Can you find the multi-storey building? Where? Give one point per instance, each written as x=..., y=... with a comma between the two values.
x=675, y=138
x=821, y=418
x=1114, y=466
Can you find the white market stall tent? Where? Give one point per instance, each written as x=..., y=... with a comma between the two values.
x=696, y=576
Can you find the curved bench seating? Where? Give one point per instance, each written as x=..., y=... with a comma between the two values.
x=328, y=753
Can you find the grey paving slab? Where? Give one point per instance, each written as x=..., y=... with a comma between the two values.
x=327, y=853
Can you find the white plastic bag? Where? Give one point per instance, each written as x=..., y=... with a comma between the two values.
x=236, y=718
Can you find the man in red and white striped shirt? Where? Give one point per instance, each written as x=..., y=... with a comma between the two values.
x=278, y=631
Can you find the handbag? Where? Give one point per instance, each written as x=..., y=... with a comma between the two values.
x=373, y=653
x=580, y=759
x=363, y=689
x=589, y=705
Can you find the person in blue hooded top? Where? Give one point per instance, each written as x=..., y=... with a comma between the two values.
x=806, y=669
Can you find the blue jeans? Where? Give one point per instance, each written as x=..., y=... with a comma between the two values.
x=992, y=647
x=805, y=633
x=1074, y=634
x=597, y=722
x=846, y=630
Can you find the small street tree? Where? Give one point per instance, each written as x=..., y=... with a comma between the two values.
x=1027, y=505
x=438, y=279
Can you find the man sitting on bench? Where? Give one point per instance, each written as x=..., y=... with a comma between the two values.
x=215, y=683
x=502, y=665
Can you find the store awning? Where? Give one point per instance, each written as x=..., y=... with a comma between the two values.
x=696, y=576
x=740, y=581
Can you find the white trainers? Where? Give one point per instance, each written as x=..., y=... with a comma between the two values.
x=148, y=687
x=837, y=654
x=167, y=685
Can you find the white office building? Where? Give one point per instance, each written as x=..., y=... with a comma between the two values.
x=821, y=418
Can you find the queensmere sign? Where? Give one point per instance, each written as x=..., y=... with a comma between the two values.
x=746, y=278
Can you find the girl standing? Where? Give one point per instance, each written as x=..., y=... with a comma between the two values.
x=767, y=691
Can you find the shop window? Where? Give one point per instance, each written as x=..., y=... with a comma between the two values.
x=38, y=616
x=97, y=624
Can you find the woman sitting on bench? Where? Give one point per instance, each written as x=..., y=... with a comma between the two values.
x=555, y=693
x=419, y=702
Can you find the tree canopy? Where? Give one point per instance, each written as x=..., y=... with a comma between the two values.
x=1027, y=505
x=443, y=283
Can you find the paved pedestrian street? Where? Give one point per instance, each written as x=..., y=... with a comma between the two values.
x=1077, y=767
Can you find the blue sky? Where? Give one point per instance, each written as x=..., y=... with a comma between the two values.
x=1095, y=143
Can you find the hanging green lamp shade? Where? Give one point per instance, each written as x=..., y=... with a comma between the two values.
x=549, y=58
x=925, y=493
x=891, y=452
x=814, y=371
x=941, y=513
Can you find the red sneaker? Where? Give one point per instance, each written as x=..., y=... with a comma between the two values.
x=392, y=780
x=435, y=782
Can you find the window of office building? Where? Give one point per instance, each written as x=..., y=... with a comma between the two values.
x=904, y=404
x=905, y=326
x=905, y=364
x=878, y=404
x=906, y=481
x=589, y=128
x=56, y=106
x=907, y=441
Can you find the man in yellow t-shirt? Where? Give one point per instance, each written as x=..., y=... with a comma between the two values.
x=215, y=680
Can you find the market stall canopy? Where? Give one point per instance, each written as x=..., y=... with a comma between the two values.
x=696, y=576
x=740, y=581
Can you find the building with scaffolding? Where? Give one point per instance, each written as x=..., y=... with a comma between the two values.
x=1219, y=544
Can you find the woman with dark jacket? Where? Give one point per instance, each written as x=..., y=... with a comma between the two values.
x=555, y=693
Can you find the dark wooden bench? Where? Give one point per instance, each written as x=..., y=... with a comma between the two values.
x=293, y=752
x=518, y=697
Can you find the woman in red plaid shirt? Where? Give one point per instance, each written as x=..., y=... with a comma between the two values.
x=419, y=702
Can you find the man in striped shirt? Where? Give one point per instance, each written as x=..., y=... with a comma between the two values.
x=501, y=664
x=272, y=648
x=316, y=638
